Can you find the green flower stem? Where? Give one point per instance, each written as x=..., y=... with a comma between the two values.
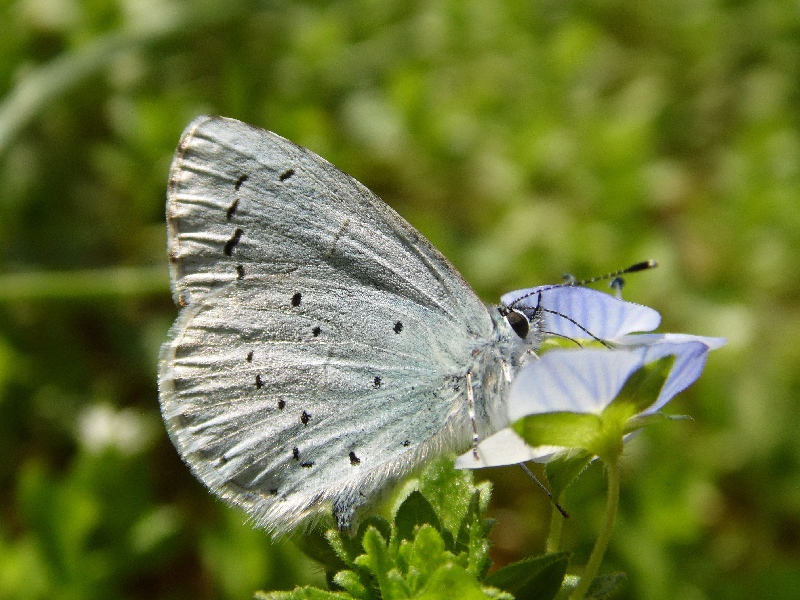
x=596, y=558
x=556, y=525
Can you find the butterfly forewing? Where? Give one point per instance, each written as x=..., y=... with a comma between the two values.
x=242, y=196
x=323, y=343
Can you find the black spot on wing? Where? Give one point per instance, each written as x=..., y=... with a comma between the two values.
x=281, y=404
x=305, y=418
x=296, y=299
x=259, y=382
x=376, y=383
x=286, y=174
x=354, y=460
x=273, y=491
x=307, y=465
x=296, y=453
x=232, y=209
x=231, y=243
x=406, y=444
x=239, y=272
x=316, y=331
x=239, y=182
x=398, y=327
x=249, y=356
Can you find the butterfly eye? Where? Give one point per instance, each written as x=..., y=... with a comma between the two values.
x=519, y=323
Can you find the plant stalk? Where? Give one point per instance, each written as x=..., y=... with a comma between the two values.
x=596, y=557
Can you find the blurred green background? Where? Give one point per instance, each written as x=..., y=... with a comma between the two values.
x=524, y=139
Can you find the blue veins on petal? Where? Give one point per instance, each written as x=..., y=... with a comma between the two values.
x=571, y=381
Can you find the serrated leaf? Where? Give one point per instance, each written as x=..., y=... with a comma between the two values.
x=304, y=593
x=347, y=547
x=379, y=523
x=353, y=583
x=472, y=537
x=537, y=578
x=380, y=562
x=451, y=581
x=426, y=554
x=399, y=560
x=449, y=491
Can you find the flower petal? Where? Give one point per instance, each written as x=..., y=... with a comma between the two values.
x=503, y=448
x=598, y=313
x=506, y=448
x=648, y=339
x=582, y=381
x=690, y=351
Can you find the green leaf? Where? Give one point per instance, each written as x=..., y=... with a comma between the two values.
x=316, y=544
x=413, y=512
x=562, y=472
x=347, y=547
x=452, y=581
x=449, y=491
x=382, y=525
x=603, y=585
x=381, y=563
x=416, y=555
x=425, y=555
x=304, y=593
x=473, y=539
x=354, y=584
x=537, y=578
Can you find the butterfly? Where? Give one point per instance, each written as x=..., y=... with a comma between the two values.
x=324, y=348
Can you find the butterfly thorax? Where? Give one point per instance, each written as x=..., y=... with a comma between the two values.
x=496, y=361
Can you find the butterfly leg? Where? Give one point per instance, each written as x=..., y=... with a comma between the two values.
x=473, y=420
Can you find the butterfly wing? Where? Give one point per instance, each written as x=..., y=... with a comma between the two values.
x=323, y=343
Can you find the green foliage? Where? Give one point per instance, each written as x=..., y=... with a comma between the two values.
x=537, y=578
x=416, y=556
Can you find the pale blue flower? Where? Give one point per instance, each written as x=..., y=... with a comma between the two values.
x=586, y=379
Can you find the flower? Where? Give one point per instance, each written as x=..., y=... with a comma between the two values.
x=594, y=396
